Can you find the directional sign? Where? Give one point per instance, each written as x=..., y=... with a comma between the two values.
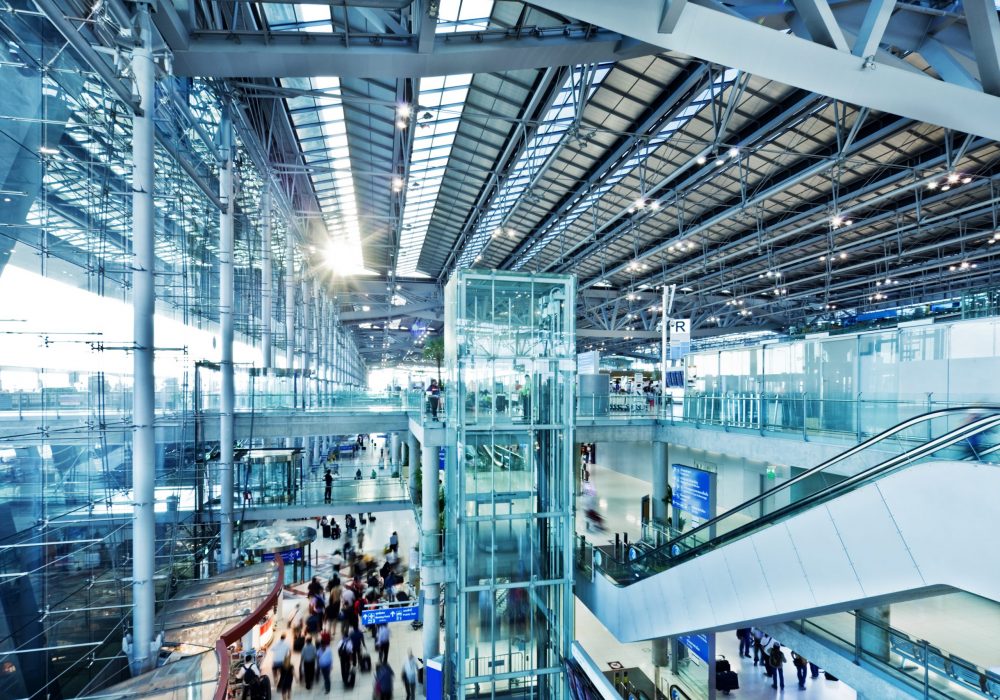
x=399, y=613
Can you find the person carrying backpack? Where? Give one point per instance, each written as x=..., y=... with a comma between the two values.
x=249, y=673
x=776, y=659
x=383, y=682
x=345, y=652
x=800, y=669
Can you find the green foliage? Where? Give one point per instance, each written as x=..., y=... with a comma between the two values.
x=434, y=351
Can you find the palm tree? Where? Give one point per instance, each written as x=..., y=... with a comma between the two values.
x=434, y=350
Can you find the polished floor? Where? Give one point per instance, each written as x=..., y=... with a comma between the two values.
x=403, y=637
x=959, y=624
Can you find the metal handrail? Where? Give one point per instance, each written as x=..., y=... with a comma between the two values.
x=948, y=439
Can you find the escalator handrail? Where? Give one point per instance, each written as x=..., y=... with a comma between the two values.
x=861, y=446
x=947, y=440
x=950, y=438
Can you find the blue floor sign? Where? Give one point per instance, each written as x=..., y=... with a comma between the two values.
x=400, y=613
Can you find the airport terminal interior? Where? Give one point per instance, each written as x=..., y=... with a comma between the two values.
x=499, y=349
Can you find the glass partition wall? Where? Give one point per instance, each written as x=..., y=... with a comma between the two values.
x=510, y=353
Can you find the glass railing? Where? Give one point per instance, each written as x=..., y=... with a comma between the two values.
x=912, y=662
x=954, y=433
x=345, y=490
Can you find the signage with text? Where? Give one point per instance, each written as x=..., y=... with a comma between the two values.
x=697, y=644
x=396, y=613
x=692, y=491
x=679, y=330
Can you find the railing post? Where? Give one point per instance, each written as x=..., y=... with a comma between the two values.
x=805, y=432
x=857, y=417
x=930, y=403
x=927, y=672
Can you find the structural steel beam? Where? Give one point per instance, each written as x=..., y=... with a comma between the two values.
x=820, y=23
x=721, y=38
x=257, y=55
x=984, y=30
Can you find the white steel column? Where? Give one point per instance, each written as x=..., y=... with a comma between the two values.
x=412, y=459
x=266, y=273
x=307, y=319
x=430, y=548
x=289, y=300
x=227, y=404
x=143, y=395
x=395, y=456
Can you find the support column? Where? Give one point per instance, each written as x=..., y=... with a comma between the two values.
x=394, y=452
x=429, y=549
x=661, y=483
x=289, y=301
x=227, y=404
x=412, y=462
x=266, y=274
x=143, y=394
x=307, y=319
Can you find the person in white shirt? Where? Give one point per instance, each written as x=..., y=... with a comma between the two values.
x=278, y=653
x=410, y=674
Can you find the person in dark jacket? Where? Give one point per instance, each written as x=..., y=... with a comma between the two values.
x=308, y=660
x=776, y=660
x=800, y=669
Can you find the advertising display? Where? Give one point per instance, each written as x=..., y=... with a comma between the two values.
x=693, y=491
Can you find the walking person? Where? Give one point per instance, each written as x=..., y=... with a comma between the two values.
x=756, y=635
x=382, y=643
x=410, y=675
x=776, y=660
x=286, y=678
x=308, y=661
x=358, y=644
x=383, y=682
x=325, y=662
x=345, y=652
x=278, y=653
x=745, y=641
x=434, y=398
x=800, y=669
x=328, y=489
x=394, y=542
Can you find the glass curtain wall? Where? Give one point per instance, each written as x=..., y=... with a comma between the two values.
x=65, y=360
x=510, y=352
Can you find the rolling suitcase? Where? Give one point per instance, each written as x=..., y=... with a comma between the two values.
x=351, y=678
x=366, y=663
x=727, y=681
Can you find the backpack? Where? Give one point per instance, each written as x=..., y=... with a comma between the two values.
x=775, y=657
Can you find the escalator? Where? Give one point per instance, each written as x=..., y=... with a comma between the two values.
x=902, y=519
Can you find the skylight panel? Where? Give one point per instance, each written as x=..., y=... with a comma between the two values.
x=432, y=145
x=621, y=171
x=556, y=123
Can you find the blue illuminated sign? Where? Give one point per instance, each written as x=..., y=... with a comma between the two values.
x=692, y=491
x=383, y=616
x=697, y=644
x=442, y=458
x=288, y=556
